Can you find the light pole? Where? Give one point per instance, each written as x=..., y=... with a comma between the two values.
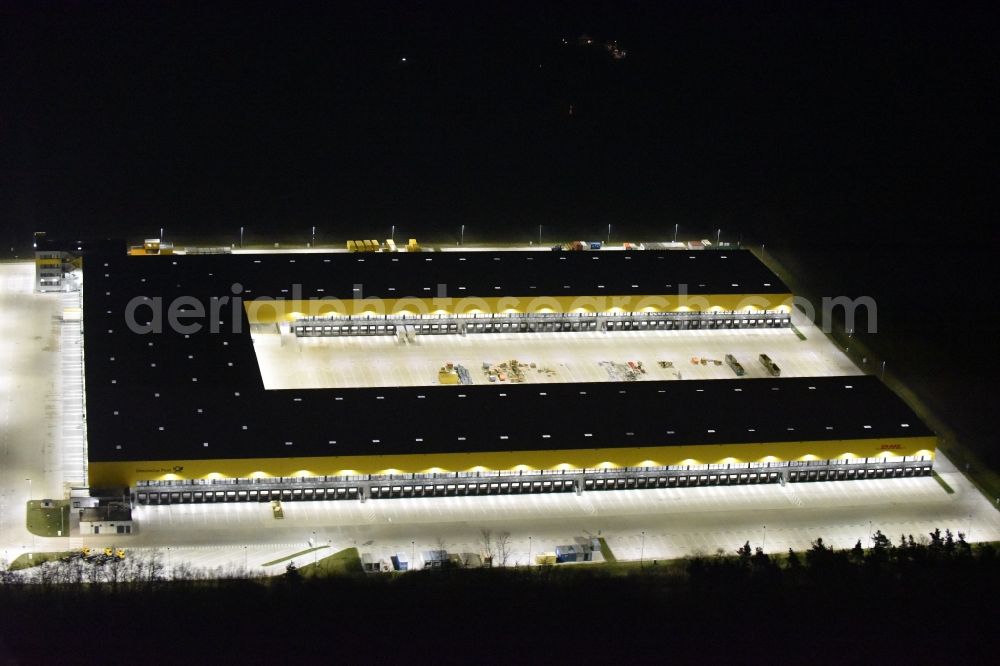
x=539, y=234
x=968, y=534
x=642, y=549
x=676, y=226
x=26, y=503
x=882, y=376
x=314, y=237
x=413, y=555
x=392, y=234
x=869, y=535
x=244, y=558
x=763, y=541
x=609, y=233
x=241, y=237
x=529, y=551
x=461, y=238
x=718, y=237
x=161, y=233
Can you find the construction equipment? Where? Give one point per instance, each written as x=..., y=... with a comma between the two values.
x=448, y=375
x=621, y=372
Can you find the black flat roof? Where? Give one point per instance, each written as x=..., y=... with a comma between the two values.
x=198, y=396
x=483, y=274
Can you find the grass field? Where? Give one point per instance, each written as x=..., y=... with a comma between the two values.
x=28, y=560
x=346, y=561
x=48, y=522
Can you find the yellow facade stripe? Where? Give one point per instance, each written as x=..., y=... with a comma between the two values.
x=111, y=474
x=269, y=311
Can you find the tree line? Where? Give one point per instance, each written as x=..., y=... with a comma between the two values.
x=926, y=596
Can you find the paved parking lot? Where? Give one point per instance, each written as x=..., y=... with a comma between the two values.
x=289, y=362
x=676, y=522
x=31, y=399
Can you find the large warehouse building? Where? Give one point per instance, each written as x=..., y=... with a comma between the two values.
x=178, y=409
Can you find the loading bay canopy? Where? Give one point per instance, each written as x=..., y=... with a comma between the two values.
x=362, y=487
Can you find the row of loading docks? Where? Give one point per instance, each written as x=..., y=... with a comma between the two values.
x=704, y=323
x=540, y=324
x=245, y=495
x=338, y=330
x=459, y=489
x=502, y=486
x=682, y=481
x=532, y=326
x=806, y=476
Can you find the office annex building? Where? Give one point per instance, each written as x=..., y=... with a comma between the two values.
x=369, y=375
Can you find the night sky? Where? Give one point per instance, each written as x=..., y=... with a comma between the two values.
x=857, y=135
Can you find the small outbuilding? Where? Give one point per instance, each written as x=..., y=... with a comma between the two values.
x=106, y=519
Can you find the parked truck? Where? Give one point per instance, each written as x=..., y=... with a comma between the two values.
x=735, y=365
x=769, y=365
x=572, y=553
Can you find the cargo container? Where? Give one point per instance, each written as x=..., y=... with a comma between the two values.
x=434, y=559
x=368, y=563
x=400, y=562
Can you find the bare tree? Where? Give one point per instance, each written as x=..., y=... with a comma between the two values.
x=486, y=541
x=183, y=571
x=503, y=547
